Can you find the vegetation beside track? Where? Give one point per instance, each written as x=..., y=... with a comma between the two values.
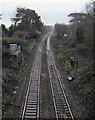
x=25, y=30
x=13, y=70
x=74, y=50
x=83, y=76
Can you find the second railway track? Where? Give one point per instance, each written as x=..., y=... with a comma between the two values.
x=62, y=108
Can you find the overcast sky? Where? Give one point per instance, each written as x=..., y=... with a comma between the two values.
x=51, y=11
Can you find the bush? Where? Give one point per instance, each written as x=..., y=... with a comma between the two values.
x=60, y=56
x=72, y=73
x=67, y=66
x=10, y=78
x=6, y=77
x=36, y=34
x=5, y=103
x=30, y=47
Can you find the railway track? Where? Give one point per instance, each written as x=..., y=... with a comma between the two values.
x=62, y=108
x=32, y=101
x=31, y=105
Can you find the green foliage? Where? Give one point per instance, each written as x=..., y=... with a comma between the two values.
x=72, y=73
x=82, y=29
x=26, y=46
x=60, y=56
x=81, y=35
x=6, y=77
x=11, y=69
x=38, y=34
x=27, y=20
x=5, y=103
x=67, y=66
x=10, y=78
x=21, y=60
x=30, y=47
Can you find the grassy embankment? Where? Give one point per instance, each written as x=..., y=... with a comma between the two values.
x=12, y=70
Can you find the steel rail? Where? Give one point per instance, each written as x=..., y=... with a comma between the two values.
x=62, y=86
x=61, y=104
x=52, y=93
x=32, y=99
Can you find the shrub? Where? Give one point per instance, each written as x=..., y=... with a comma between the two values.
x=67, y=66
x=5, y=103
x=60, y=56
x=10, y=78
x=72, y=74
x=37, y=34
x=30, y=47
x=6, y=77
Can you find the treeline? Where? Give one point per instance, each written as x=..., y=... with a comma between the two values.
x=27, y=24
x=80, y=30
x=25, y=20
x=76, y=40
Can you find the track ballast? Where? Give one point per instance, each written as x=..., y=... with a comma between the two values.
x=31, y=105
x=61, y=104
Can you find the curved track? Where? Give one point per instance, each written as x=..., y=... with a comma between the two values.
x=61, y=104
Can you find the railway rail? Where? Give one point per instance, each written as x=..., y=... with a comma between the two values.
x=61, y=104
x=32, y=101
x=31, y=105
